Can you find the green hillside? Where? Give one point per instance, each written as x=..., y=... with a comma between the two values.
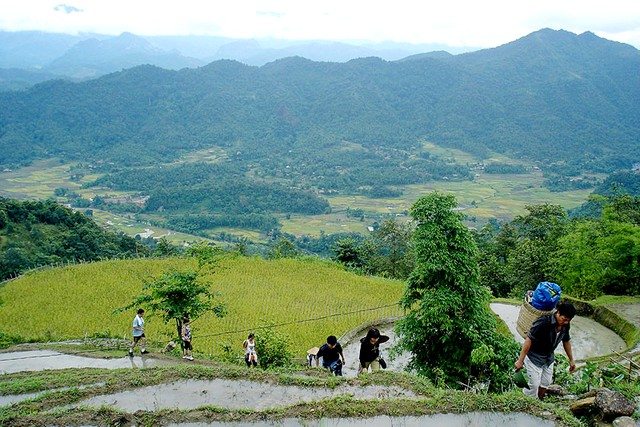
x=550, y=96
x=229, y=146
x=78, y=301
x=37, y=233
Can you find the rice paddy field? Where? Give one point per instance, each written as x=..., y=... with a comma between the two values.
x=501, y=196
x=77, y=301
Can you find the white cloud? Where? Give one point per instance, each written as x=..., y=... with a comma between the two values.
x=453, y=22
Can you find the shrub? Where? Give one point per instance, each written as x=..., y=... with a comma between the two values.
x=273, y=348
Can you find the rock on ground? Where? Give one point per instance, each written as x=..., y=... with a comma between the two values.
x=613, y=404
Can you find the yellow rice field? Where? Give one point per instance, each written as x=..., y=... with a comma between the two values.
x=77, y=301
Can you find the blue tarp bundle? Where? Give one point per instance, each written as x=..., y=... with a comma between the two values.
x=546, y=296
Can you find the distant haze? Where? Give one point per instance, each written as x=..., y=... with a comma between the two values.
x=454, y=23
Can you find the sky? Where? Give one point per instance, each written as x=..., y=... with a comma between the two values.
x=457, y=23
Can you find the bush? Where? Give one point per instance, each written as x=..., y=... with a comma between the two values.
x=449, y=328
x=7, y=340
x=273, y=348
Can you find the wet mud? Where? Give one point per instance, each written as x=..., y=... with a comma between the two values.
x=40, y=360
x=16, y=398
x=231, y=394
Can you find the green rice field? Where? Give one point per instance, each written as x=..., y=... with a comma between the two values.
x=77, y=301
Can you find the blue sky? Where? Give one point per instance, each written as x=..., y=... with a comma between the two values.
x=451, y=22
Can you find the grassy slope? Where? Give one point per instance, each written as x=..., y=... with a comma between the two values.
x=75, y=301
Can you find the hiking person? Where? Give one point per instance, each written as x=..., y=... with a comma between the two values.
x=250, y=355
x=331, y=353
x=138, y=333
x=537, y=355
x=370, y=350
x=186, y=339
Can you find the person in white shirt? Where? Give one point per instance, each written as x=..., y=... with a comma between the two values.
x=250, y=355
x=138, y=333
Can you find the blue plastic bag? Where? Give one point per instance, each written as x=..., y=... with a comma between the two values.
x=546, y=296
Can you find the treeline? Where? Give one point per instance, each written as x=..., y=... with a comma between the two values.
x=38, y=233
x=197, y=196
x=504, y=168
x=618, y=183
x=587, y=256
x=196, y=223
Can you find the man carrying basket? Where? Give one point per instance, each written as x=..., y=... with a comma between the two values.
x=541, y=341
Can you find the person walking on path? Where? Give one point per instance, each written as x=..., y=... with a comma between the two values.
x=186, y=339
x=138, y=333
x=537, y=351
x=370, y=350
x=250, y=355
x=331, y=353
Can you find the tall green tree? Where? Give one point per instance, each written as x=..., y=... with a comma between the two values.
x=176, y=295
x=393, y=249
x=448, y=326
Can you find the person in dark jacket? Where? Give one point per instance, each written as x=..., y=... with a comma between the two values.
x=370, y=350
x=332, y=357
x=538, y=348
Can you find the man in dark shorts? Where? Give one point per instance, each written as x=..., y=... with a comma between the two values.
x=331, y=354
x=537, y=351
x=138, y=333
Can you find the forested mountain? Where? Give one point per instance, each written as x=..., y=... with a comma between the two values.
x=552, y=96
x=17, y=78
x=44, y=233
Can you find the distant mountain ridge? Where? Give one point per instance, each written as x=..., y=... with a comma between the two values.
x=92, y=55
x=552, y=96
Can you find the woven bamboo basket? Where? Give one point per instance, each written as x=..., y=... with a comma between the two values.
x=528, y=314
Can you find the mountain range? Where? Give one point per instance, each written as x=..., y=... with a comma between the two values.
x=92, y=55
x=562, y=99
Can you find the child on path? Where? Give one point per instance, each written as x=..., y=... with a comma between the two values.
x=186, y=339
x=138, y=333
x=331, y=353
x=250, y=355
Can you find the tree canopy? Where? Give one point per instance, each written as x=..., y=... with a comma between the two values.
x=449, y=328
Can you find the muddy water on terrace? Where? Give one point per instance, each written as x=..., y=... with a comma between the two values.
x=15, y=398
x=437, y=420
x=40, y=360
x=232, y=395
x=588, y=337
